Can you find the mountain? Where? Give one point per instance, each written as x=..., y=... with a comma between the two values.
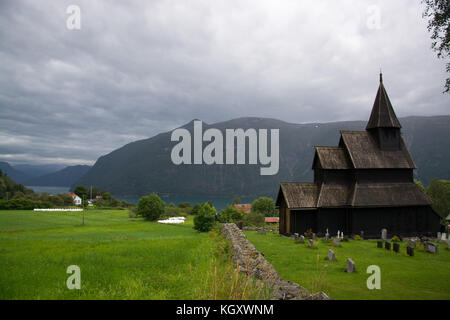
x=10, y=189
x=145, y=166
x=13, y=173
x=62, y=178
x=39, y=169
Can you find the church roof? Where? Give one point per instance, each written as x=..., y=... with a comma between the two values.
x=365, y=154
x=388, y=195
x=310, y=196
x=334, y=195
x=383, y=115
x=298, y=195
x=332, y=158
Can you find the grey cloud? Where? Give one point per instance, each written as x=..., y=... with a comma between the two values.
x=138, y=68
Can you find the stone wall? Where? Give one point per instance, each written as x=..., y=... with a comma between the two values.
x=251, y=261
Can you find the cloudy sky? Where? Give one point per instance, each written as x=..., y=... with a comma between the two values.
x=138, y=68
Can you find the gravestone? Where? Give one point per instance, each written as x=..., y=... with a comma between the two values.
x=387, y=245
x=331, y=255
x=336, y=243
x=438, y=235
x=396, y=247
x=362, y=234
x=301, y=239
x=431, y=247
x=327, y=237
x=310, y=243
x=383, y=234
x=410, y=251
x=296, y=236
x=350, y=266
x=444, y=237
x=338, y=234
x=313, y=235
x=411, y=243
x=380, y=244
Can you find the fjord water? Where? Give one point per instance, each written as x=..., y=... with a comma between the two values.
x=49, y=190
x=218, y=203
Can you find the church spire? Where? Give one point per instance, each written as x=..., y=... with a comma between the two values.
x=383, y=115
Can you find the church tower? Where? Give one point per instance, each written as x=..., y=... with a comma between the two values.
x=383, y=123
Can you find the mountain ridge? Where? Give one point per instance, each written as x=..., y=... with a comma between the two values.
x=144, y=166
x=64, y=177
x=61, y=178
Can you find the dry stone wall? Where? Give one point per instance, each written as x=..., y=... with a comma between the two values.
x=251, y=261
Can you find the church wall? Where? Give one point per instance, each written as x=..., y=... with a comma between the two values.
x=338, y=176
x=383, y=175
x=302, y=220
x=333, y=219
x=402, y=221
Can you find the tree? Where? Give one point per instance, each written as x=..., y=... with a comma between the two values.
x=439, y=193
x=264, y=205
x=419, y=184
x=184, y=205
x=205, y=218
x=56, y=201
x=106, y=195
x=67, y=200
x=150, y=207
x=196, y=208
x=438, y=13
x=230, y=214
x=236, y=200
x=94, y=191
x=82, y=192
x=254, y=219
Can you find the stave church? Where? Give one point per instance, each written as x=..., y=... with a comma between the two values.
x=363, y=184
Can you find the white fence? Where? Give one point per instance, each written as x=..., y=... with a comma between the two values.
x=174, y=220
x=58, y=209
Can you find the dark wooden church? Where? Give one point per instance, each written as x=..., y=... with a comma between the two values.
x=364, y=184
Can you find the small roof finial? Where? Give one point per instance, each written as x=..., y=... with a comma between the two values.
x=381, y=76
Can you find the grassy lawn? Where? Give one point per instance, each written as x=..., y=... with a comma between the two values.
x=424, y=276
x=119, y=257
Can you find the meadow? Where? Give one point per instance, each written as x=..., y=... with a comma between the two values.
x=119, y=258
x=424, y=276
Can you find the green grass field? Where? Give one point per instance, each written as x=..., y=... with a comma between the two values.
x=424, y=276
x=119, y=257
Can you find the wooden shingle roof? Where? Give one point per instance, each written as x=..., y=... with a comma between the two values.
x=309, y=196
x=383, y=115
x=388, y=195
x=365, y=153
x=332, y=158
x=334, y=195
x=298, y=195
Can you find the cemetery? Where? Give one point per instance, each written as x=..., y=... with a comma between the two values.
x=411, y=268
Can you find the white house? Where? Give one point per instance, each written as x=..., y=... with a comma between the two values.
x=76, y=199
